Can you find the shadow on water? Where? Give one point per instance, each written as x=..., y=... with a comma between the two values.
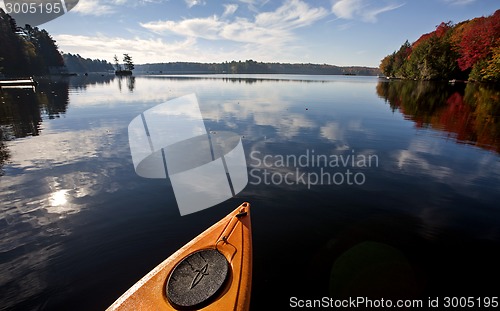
x=469, y=113
x=129, y=82
x=251, y=79
x=21, y=112
x=82, y=82
x=21, y=109
x=4, y=152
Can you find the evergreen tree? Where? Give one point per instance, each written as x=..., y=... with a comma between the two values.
x=28, y=50
x=118, y=67
x=11, y=47
x=127, y=60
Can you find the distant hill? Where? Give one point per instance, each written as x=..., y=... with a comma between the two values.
x=253, y=67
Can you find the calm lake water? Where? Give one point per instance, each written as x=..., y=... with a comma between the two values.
x=407, y=207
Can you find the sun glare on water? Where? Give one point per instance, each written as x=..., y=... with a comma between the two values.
x=59, y=198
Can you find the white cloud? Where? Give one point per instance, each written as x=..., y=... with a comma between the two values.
x=93, y=7
x=460, y=2
x=268, y=28
x=347, y=8
x=206, y=28
x=229, y=9
x=292, y=14
x=254, y=4
x=345, y=26
x=143, y=50
x=371, y=15
x=352, y=9
x=267, y=36
x=107, y=7
x=158, y=50
x=192, y=3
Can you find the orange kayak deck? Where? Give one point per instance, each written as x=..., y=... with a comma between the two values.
x=211, y=272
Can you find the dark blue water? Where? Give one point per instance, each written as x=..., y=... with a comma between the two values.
x=359, y=188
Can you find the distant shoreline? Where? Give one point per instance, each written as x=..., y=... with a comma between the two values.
x=186, y=73
x=253, y=67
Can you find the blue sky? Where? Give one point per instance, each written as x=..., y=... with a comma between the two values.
x=338, y=32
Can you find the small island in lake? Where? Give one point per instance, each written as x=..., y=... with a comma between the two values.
x=127, y=68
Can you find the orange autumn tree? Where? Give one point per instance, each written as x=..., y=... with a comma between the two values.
x=492, y=70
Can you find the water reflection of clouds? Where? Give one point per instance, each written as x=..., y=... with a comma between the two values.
x=54, y=149
x=269, y=110
x=287, y=125
x=415, y=159
x=427, y=156
x=291, y=124
x=282, y=116
x=268, y=103
x=332, y=131
x=471, y=183
x=42, y=187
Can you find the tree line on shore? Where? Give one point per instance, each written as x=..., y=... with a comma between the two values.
x=76, y=63
x=32, y=51
x=469, y=50
x=254, y=67
x=27, y=50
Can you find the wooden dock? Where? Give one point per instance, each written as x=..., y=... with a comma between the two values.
x=17, y=83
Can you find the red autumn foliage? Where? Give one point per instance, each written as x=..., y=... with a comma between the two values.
x=455, y=117
x=422, y=39
x=440, y=31
x=478, y=38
